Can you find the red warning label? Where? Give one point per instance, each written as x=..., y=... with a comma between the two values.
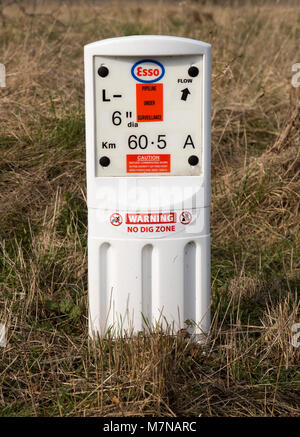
x=150, y=218
x=149, y=102
x=148, y=163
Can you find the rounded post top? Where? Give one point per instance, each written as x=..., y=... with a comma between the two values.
x=147, y=45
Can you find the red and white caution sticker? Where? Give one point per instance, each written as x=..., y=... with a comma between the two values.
x=153, y=163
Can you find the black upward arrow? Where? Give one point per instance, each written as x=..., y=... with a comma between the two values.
x=185, y=93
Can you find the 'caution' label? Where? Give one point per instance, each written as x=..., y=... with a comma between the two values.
x=148, y=163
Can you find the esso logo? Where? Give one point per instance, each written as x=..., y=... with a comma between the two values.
x=148, y=71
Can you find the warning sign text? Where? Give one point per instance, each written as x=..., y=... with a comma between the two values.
x=150, y=218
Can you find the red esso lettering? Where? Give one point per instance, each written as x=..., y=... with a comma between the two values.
x=140, y=71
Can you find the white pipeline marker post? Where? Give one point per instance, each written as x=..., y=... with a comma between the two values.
x=147, y=102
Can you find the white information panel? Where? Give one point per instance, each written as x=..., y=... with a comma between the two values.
x=148, y=115
x=147, y=103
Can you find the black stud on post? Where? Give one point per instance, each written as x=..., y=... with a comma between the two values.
x=193, y=71
x=104, y=161
x=193, y=160
x=103, y=71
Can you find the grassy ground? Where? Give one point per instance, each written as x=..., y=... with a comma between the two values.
x=48, y=366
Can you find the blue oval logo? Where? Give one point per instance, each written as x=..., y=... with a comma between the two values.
x=148, y=71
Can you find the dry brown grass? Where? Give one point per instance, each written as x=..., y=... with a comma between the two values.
x=250, y=367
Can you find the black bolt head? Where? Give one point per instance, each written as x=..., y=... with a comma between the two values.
x=104, y=161
x=103, y=71
x=193, y=160
x=193, y=71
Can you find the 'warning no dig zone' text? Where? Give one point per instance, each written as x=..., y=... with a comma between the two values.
x=161, y=222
